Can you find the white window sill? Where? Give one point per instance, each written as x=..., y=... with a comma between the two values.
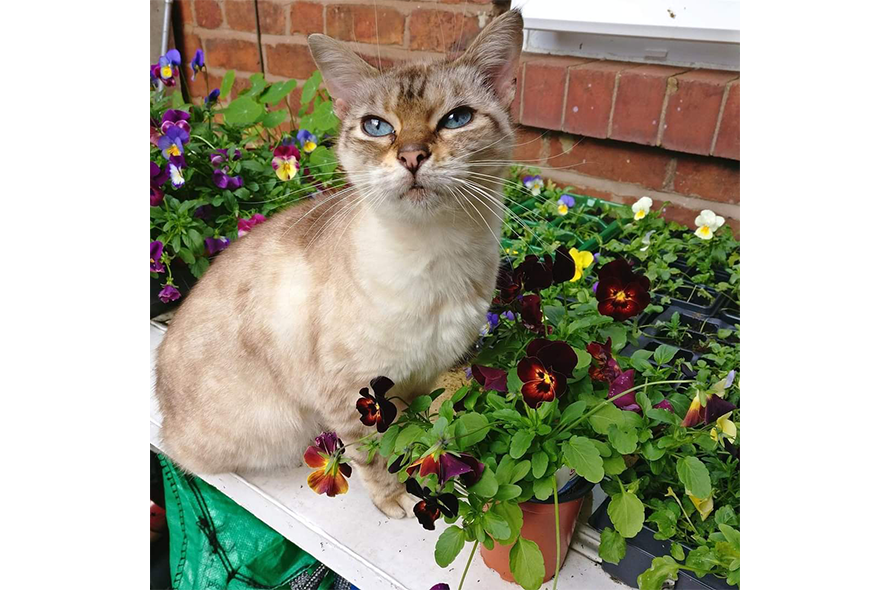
x=350, y=536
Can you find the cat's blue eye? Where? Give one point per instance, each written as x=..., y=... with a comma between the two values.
x=457, y=118
x=376, y=127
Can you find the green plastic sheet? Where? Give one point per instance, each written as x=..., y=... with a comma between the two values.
x=215, y=543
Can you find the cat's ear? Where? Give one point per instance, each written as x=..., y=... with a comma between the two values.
x=343, y=71
x=496, y=53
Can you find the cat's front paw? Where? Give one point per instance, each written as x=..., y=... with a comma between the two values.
x=398, y=505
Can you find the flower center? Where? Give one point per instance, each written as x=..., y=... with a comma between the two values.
x=173, y=150
x=620, y=296
x=166, y=71
x=640, y=214
x=705, y=230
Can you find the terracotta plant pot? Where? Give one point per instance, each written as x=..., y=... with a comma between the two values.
x=538, y=525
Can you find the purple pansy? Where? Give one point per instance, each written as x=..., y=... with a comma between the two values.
x=625, y=401
x=509, y=315
x=158, y=177
x=172, y=141
x=175, y=117
x=166, y=68
x=595, y=285
x=221, y=156
x=169, y=293
x=198, y=63
x=175, y=168
x=216, y=245
x=566, y=200
x=245, y=225
x=441, y=586
x=202, y=212
x=303, y=136
x=596, y=258
x=492, y=320
x=157, y=251
x=224, y=181
x=212, y=97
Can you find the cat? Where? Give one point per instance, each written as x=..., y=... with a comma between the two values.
x=391, y=276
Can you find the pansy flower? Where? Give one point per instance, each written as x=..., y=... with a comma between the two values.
x=603, y=367
x=198, y=63
x=172, y=141
x=441, y=586
x=641, y=208
x=221, y=156
x=155, y=135
x=448, y=465
x=173, y=117
x=490, y=378
x=544, y=372
x=531, y=314
x=431, y=507
x=621, y=293
x=175, y=168
x=533, y=184
x=664, y=404
x=285, y=162
x=376, y=409
x=245, y=225
x=212, y=97
x=726, y=427
x=224, y=181
x=169, y=293
x=216, y=245
x=707, y=223
x=157, y=251
x=709, y=409
x=647, y=240
x=330, y=474
x=159, y=176
x=617, y=387
x=493, y=319
x=582, y=259
x=509, y=283
x=537, y=273
x=509, y=315
x=307, y=141
x=167, y=67
x=564, y=203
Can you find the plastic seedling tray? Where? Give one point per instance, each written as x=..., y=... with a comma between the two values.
x=690, y=296
x=644, y=547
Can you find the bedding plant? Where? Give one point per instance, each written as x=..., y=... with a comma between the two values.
x=217, y=171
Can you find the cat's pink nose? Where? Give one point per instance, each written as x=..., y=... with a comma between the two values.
x=413, y=155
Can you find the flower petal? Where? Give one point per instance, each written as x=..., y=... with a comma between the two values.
x=313, y=458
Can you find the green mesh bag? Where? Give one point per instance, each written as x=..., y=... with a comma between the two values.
x=215, y=543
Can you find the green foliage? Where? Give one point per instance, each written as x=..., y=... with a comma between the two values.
x=527, y=564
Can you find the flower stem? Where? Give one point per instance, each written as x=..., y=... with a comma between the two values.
x=467, y=568
x=556, y=518
x=204, y=140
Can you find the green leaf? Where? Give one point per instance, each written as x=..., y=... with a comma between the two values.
x=514, y=383
x=177, y=99
x=496, y=526
x=694, y=475
x=388, y=440
x=677, y=552
x=554, y=313
x=522, y=440
x=323, y=161
x=508, y=492
x=583, y=456
x=664, y=354
x=584, y=358
x=573, y=412
x=540, y=460
x=243, y=111
x=470, y=429
x=664, y=416
x=618, y=334
x=310, y=87
x=612, y=546
x=512, y=513
x=662, y=569
x=411, y=433
x=257, y=85
x=274, y=93
x=274, y=119
x=614, y=465
x=254, y=166
x=226, y=85
x=527, y=564
x=450, y=542
x=666, y=521
x=187, y=256
x=420, y=404
x=543, y=488
x=487, y=486
x=627, y=513
x=605, y=417
x=726, y=515
x=623, y=440
x=446, y=410
x=505, y=469
x=520, y=470
x=652, y=452
x=324, y=118
x=732, y=535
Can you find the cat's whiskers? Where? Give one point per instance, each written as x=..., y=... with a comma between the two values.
x=480, y=191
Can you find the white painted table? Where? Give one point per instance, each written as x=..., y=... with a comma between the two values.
x=350, y=536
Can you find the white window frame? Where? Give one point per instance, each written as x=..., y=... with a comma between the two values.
x=701, y=33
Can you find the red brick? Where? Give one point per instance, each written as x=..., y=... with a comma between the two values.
x=529, y=146
x=272, y=21
x=544, y=90
x=183, y=11
x=714, y=179
x=438, y=30
x=516, y=105
x=240, y=15
x=208, y=14
x=306, y=18
x=692, y=110
x=232, y=54
x=291, y=60
x=638, y=103
x=589, y=98
x=464, y=1
x=611, y=160
x=353, y=22
x=728, y=145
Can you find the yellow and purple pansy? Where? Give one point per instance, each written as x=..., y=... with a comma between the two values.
x=285, y=161
x=198, y=63
x=157, y=253
x=166, y=68
x=564, y=203
x=307, y=141
x=326, y=457
x=534, y=184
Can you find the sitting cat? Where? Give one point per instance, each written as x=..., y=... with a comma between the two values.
x=390, y=276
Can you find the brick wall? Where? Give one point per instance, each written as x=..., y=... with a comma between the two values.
x=610, y=129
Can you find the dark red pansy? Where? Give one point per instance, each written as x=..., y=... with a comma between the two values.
x=531, y=314
x=544, y=372
x=603, y=367
x=400, y=462
x=621, y=293
x=376, y=409
x=490, y=378
x=563, y=265
x=699, y=414
x=537, y=273
x=427, y=464
x=476, y=468
x=431, y=507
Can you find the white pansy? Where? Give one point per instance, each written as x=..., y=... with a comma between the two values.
x=707, y=223
x=647, y=240
x=641, y=207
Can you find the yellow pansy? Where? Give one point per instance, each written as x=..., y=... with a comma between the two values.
x=309, y=146
x=705, y=506
x=582, y=259
x=727, y=427
x=562, y=209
